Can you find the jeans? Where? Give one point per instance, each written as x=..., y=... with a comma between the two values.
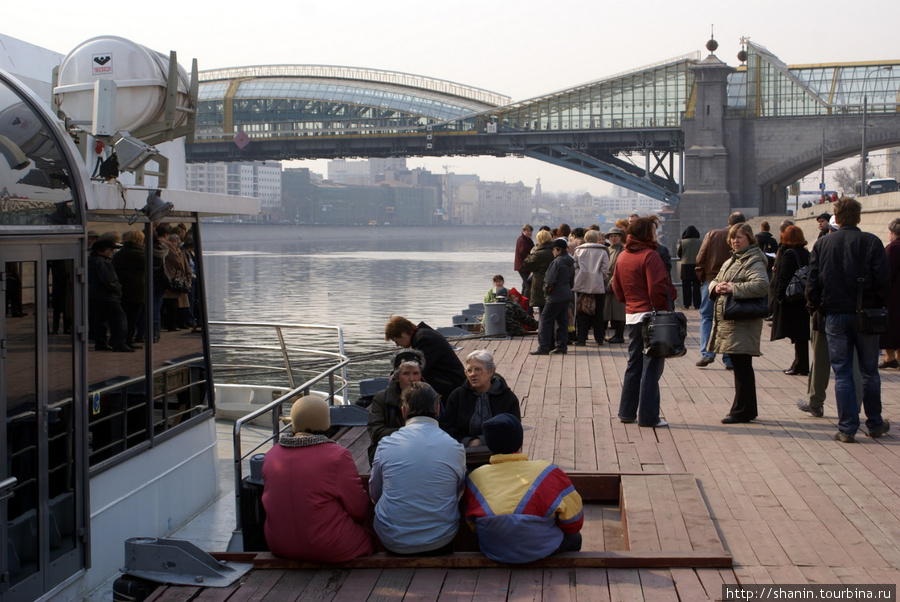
x=707, y=309
x=640, y=384
x=843, y=338
x=554, y=313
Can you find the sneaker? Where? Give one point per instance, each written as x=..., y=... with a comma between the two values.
x=844, y=437
x=659, y=424
x=805, y=407
x=885, y=427
x=705, y=361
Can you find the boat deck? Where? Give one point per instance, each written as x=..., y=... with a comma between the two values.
x=787, y=503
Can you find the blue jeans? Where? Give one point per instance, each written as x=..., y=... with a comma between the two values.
x=640, y=384
x=843, y=338
x=707, y=308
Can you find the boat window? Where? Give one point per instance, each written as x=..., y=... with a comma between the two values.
x=134, y=317
x=35, y=184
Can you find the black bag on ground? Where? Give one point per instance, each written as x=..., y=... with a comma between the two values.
x=664, y=333
x=745, y=309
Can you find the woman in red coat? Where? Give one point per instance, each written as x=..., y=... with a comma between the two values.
x=314, y=499
x=641, y=281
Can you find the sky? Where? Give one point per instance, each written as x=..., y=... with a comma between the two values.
x=519, y=48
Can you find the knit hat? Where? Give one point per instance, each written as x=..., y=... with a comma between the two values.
x=501, y=292
x=560, y=244
x=310, y=414
x=502, y=434
x=409, y=355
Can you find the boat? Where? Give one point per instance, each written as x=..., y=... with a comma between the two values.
x=99, y=446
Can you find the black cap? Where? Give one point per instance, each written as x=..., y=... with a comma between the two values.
x=560, y=244
x=502, y=434
x=825, y=216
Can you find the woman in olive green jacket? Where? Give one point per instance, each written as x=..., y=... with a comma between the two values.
x=537, y=262
x=744, y=277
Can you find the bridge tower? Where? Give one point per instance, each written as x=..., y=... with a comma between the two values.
x=706, y=201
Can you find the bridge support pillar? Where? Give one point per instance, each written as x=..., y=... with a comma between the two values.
x=706, y=200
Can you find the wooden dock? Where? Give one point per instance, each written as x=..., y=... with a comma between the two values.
x=778, y=497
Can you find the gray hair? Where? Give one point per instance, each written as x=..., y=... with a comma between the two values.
x=591, y=236
x=894, y=226
x=484, y=356
x=174, y=238
x=419, y=399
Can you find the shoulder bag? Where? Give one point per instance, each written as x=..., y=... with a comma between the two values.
x=745, y=309
x=664, y=332
x=795, y=293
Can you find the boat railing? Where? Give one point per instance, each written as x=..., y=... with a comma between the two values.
x=330, y=367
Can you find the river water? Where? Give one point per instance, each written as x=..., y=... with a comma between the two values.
x=356, y=277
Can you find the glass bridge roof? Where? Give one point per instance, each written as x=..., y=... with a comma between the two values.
x=766, y=87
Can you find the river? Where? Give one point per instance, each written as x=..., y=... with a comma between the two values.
x=356, y=277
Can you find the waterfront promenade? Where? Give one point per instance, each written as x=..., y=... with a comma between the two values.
x=788, y=503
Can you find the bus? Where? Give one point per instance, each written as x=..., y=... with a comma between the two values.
x=878, y=186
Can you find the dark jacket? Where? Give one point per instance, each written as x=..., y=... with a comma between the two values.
x=559, y=279
x=537, y=263
x=523, y=247
x=461, y=405
x=384, y=416
x=103, y=284
x=640, y=280
x=789, y=320
x=129, y=264
x=837, y=260
x=443, y=370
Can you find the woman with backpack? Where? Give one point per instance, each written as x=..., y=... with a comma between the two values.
x=790, y=319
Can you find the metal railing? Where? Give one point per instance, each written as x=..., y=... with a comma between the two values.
x=227, y=357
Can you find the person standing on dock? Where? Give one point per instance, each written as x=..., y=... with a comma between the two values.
x=613, y=309
x=524, y=244
x=523, y=510
x=714, y=251
x=847, y=271
x=442, y=370
x=417, y=480
x=641, y=282
x=558, y=288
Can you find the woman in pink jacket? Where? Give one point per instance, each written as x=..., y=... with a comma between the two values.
x=314, y=499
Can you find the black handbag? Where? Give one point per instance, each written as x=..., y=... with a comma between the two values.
x=871, y=320
x=664, y=332
x=745, y=309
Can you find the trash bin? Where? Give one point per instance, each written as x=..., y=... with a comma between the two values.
x=495, y=319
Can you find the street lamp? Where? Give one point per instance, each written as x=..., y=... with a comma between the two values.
x=863, y=157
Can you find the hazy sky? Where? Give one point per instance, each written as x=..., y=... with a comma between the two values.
x=520, y=48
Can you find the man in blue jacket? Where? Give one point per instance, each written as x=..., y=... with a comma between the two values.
x=848, y=268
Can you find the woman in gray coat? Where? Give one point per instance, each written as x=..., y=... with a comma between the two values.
x=744, y=277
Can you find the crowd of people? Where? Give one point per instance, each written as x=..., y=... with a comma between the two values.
x=117, y=299
x=428, y=427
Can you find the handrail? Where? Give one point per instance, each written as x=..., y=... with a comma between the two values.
x=285, y=351
x=275, y=408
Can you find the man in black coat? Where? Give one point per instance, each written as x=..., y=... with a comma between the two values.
x=848, y=270
x=443, y=370
x=105, y=299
